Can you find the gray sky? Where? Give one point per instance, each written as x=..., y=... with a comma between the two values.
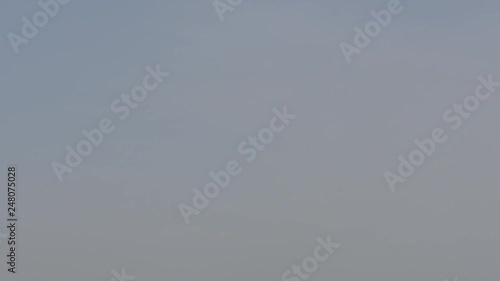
x=324, y=174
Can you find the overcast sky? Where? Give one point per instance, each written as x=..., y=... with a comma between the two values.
x=323, y=174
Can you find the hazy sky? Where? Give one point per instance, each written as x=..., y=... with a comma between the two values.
x=324, y=174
